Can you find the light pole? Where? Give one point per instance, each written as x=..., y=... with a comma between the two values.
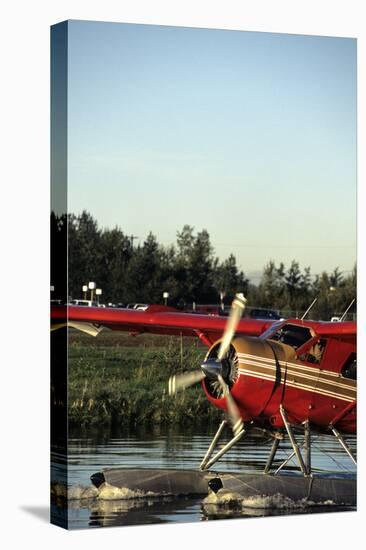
x=91, y=286
x=222, y=296
x=98, y=292
x=85, y=290
x=165, y=296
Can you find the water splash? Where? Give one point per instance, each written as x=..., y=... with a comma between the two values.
x=78, y=492
x=104, y=492
x=110, y=492
x=260, y=502
x=74, y=492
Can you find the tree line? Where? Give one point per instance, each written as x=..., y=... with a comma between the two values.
x=189, y=271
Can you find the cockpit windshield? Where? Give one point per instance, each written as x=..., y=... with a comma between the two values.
x=271, y=330
x=292, y=335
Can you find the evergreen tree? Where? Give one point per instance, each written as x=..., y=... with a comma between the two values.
x=188, y=271
x=143, y=282
x=271, y=287
x=336, y=278
x=194, y=267
x=84, y=249
x=293, y=279
x=116, y=253
x=228, y=280
x=321, y=288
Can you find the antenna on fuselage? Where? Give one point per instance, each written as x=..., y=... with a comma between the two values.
x=347, y=310
x=309, y=308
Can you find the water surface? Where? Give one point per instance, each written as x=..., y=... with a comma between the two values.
x=181, y=448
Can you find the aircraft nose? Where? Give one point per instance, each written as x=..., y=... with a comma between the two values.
x=212, y=368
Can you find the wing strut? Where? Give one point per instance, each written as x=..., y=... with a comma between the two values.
x=202, y=336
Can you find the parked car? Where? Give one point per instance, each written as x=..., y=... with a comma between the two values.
x=265, y=314
x=141, y=307
x=86, y=303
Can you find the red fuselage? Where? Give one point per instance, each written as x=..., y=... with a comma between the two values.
x=270, y=373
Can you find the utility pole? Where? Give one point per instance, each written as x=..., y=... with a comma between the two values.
x=132, y=238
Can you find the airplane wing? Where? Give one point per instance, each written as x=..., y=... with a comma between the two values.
x=155, y=319
x=343, y=330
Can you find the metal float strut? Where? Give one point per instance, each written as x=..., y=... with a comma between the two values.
x=284, y=462
x=344, y=445
x=294, y=444
x=307, y=443
x=212, y=445
x=206, y=463
x=272, y=454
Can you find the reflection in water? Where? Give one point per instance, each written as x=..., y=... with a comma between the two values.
x=136, y=512
x=174, y=449
x=218, y=512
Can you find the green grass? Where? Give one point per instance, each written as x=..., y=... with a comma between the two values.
x=115, y=379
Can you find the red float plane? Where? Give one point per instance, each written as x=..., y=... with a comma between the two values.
x=266, y=375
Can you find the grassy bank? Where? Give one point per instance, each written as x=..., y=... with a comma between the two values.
x=115, y=379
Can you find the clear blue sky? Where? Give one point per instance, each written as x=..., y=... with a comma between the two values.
x=251, y=136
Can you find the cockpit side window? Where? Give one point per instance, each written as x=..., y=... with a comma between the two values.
x=292, y=335
x=315, y=352
x=349, y=369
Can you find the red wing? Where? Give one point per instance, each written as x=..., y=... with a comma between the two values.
x=156, y=320
x=345, y=330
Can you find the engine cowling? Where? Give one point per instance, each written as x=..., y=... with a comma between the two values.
x=251, y=369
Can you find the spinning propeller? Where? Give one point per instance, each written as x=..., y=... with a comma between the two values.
x=213, y=368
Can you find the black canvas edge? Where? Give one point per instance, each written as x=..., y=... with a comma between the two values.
x=58, y=268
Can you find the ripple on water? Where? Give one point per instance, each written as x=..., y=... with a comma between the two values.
x=177, y=450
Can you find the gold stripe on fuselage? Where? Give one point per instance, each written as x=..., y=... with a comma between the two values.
x=298, y=376
x=298, y=385
x=288, y=364
x=317, y=374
